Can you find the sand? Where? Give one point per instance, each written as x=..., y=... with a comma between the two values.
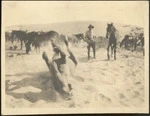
x=96, y=83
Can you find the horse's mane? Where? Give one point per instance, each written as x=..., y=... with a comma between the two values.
x=116, y=32
x=113, y=29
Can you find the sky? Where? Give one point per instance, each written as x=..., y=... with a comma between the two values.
x=38, y=12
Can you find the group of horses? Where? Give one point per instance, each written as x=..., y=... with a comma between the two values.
x=58, y=66
x=130, y=42
x=37, y=38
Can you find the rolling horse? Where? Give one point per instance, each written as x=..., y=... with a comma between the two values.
x=61, y=62
x=112, y=42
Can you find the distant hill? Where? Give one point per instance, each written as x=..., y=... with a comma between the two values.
x=78, y=27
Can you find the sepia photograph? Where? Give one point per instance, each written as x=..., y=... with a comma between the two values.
x=71, y=57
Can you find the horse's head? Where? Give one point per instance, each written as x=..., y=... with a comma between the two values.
x=80, y=36
x=13, y=33
x=110, y=28
x=141, y=35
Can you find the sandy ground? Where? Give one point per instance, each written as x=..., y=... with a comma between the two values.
x=96, y=83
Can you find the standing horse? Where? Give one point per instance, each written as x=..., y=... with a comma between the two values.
x=141, y=41
x=20, y=35
x=37, y=46
x=30, y=39
x=39, y=39
x=125, y=42
x=111, y=35
x=7, y=36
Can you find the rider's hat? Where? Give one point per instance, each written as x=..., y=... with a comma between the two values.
x=90, y=26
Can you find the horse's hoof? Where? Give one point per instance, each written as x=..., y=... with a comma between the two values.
x=44, y=56
x=70, y=87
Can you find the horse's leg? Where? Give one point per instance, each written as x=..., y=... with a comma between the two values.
x=132, y=46
x=125, y=45
x=115, y=51
x=27, y=48
x=143, y=50
x=36, y=49
x=12, y=40
x=72, y=57
x=21, y=44
x=112, y=50
x=135, y=45
x=94, y=51
x=88, y=47
x=30, y=47
x=18, y=39
x=39, y=49
x=108, y=52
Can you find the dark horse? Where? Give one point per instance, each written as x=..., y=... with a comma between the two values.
x=132, y=42
x=141, y=41
x=129, y=42
x=29, y=40
x=20, y=35
x=36, y=39
x=111, y=35
x=79, y=37
x=24, y=37
x=7, y=36
x=76, y=38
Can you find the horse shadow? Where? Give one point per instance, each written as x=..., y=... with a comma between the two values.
x=17, y=53
x=41, y=80
x=83, y=59
x=107, y=60
x=86, y=60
